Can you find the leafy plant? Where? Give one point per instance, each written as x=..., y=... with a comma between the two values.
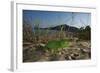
x=55, y=45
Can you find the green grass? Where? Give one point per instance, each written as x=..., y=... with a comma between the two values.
x=57, y=44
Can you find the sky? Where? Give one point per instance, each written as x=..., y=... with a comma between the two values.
x=53, y=18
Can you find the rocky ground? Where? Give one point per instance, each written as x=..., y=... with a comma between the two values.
x=80, y=50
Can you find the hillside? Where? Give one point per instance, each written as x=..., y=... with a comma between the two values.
x=65, y=28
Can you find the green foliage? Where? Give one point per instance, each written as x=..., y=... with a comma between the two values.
x=57, y=44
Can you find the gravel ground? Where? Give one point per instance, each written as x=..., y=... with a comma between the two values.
x=76, y=51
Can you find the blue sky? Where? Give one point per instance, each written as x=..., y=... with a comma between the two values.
x=52, y=18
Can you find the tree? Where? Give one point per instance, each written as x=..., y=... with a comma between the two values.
x=84, y=33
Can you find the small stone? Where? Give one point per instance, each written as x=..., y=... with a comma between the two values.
x=43, y=45
x=69, y=57
x=76, y=54
x=78, y=49
x=60, y=53
x=72, y=55
x=63, y=52
x=86, y=50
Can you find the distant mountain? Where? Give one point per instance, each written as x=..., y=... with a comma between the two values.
x=65, y=28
